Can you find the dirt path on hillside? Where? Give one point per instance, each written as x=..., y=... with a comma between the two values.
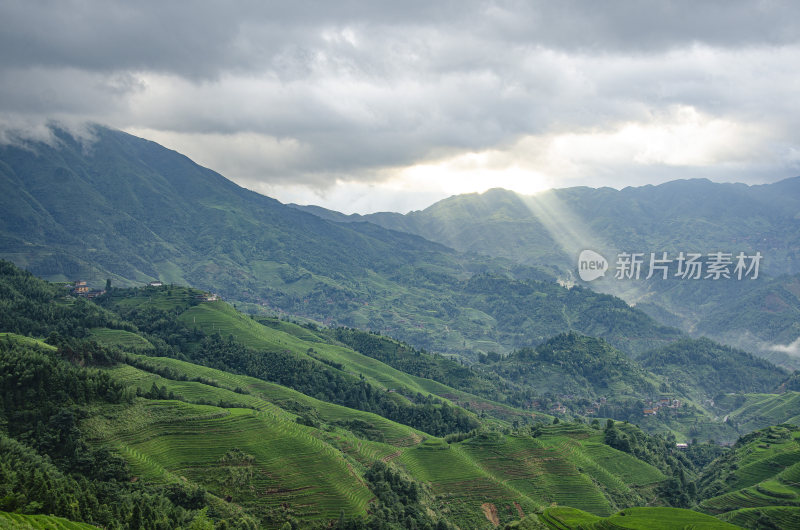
x=490, y=511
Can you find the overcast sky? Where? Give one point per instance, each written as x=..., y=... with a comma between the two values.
x=366, y=106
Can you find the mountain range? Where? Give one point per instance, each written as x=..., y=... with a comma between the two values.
x=550, y=229
x=441, y=369
x=128, y=210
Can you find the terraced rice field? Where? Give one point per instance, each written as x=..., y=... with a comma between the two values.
x=173, y=440
x=543, y=471
x=18, y=521
x=462, y=486
x=119, y=337
x=746, y=498
x=626, y=468
x=261, y=395
x=30, y=341
x=559, y=467
x=565, y=518
x=163, y=298
x=766, y=464
x=632, y=518
x=780, y=516
x=169, y=440
x=767, y=409
x=563, y=468
x=770, y=477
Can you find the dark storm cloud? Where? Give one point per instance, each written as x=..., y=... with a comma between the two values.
x=308, y=92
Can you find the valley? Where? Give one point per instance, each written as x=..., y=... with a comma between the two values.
x=233, y=362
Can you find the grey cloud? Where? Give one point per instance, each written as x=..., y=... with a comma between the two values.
x=314, y=91
x=205, y=38
x=65, y=90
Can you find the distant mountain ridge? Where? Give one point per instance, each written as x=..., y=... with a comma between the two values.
x=127, y=209
x=550, y=229
x=762, y=217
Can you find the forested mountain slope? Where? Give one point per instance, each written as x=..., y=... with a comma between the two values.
x=120, y=207
x=295, y=428
x=550, y=229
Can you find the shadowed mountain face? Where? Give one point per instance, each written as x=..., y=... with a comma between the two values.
x=143, y=211
x=684, y=215
x=550, y=230
x=127, y=209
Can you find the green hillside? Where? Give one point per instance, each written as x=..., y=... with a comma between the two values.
x=132, y=211
x=301, y=346
x=752, y=411
x=582, y=375
x=577, y=372
x=757, y=483
x=702, y=369
x=39, y=522
x=580, y=365
x=118, y=427
x=549, y=229
x=634, y=518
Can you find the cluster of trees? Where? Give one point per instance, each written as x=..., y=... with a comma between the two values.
x=430, y=366
x=591, y=359
x=323, y=382
x=40, y=392
x=713, y=368
x=31, y=483
x=574, y=367
x=679, y=490
x=47, y=465
x=722, y=472
x=311, y=377
x=161, y=328
x=30, y=306
x=398, y=504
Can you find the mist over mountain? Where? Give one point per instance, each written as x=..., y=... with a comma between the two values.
x=122, y=208
x=551, y=228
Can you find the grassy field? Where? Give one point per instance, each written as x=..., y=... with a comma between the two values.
x=283, y=463
x=643, y=518
x=17, y=521
x=764, y=483
x=29, y=341
x=503, y=475
x=760, y=410
x=222, y=318
x=117, y=337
